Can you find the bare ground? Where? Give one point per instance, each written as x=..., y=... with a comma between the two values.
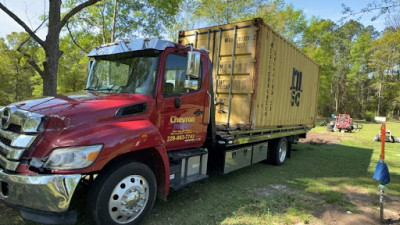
x=367, y=207
x=368, y=210
x=322, y=138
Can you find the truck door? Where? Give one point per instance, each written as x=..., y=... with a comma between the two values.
x=184, y=104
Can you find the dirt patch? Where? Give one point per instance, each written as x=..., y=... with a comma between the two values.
x=367, y=209
x=322, y=138
x=366, y=206
x=335, y=215
x=274, y=189
x=369, y=205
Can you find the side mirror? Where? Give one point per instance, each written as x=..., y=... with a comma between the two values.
x=193, y=64
x=191, y=84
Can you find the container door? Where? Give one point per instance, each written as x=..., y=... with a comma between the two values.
x=182, y=109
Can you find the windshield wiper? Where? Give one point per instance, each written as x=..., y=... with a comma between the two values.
x=107, y=88
x=90, y=89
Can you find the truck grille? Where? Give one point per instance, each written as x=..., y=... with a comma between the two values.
x=18, y=131
x=5, y=141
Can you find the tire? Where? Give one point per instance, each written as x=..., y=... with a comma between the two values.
x=289, y=150
x=123, y=194
x=278, y=151
x=329, y=127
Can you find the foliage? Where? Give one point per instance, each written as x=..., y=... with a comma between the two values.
x=369, y=116
x=385, y=60
x=131, y=18
x=72, y=76
x=317, y=42
x=283, y=18
x=224, y=11
x=15, y=82
x=353, y=62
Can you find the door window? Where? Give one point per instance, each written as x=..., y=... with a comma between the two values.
x=175, y=79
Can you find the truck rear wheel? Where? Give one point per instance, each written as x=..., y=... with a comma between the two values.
x=124, y=194
x=278, y=151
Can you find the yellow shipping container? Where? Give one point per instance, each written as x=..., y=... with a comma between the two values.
x=261, y=80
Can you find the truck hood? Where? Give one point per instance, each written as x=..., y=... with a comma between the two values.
x=83, y=107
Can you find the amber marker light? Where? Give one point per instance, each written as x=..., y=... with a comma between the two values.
x=93, y=156
x=144, y=136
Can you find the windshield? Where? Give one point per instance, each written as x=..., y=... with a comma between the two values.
x=134, y=75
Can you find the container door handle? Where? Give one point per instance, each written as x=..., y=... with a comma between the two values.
x=198, y=112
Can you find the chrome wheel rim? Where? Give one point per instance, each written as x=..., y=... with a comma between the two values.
x=282, y=151
x=128, y=199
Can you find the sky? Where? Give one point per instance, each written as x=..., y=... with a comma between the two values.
x=30, y=10
x=332, y=10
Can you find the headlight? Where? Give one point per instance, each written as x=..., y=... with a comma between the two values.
x=77, y=157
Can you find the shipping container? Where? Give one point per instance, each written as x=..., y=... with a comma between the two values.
x=261, y=80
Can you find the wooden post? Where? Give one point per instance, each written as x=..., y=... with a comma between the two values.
x=383, y=133
x=382, y=187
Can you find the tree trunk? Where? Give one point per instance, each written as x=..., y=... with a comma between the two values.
x=380, y=94
x=104, y=25
x=17, y=98
x=114, y=22
x=53, y=52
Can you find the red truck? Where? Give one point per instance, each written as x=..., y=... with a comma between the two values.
x=156, y=115
x=342, y=123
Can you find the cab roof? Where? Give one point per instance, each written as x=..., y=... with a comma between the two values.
x=130, y=46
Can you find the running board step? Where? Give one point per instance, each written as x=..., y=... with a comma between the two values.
x=187, y=166
x=187, y=181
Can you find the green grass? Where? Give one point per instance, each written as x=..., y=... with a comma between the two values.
x=316, y=175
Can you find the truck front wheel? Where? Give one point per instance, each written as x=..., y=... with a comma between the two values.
x=278, y=150
x=123, y=194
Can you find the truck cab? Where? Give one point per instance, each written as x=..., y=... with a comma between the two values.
x=143, y=98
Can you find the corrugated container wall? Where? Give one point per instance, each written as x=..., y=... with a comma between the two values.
x=271, y=83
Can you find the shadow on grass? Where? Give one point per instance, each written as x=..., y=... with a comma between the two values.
x=313, y=169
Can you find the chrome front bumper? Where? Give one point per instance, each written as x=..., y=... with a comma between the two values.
x=49, y=193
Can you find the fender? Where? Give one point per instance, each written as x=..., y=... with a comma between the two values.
x=163, y=154
x=118, y=138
